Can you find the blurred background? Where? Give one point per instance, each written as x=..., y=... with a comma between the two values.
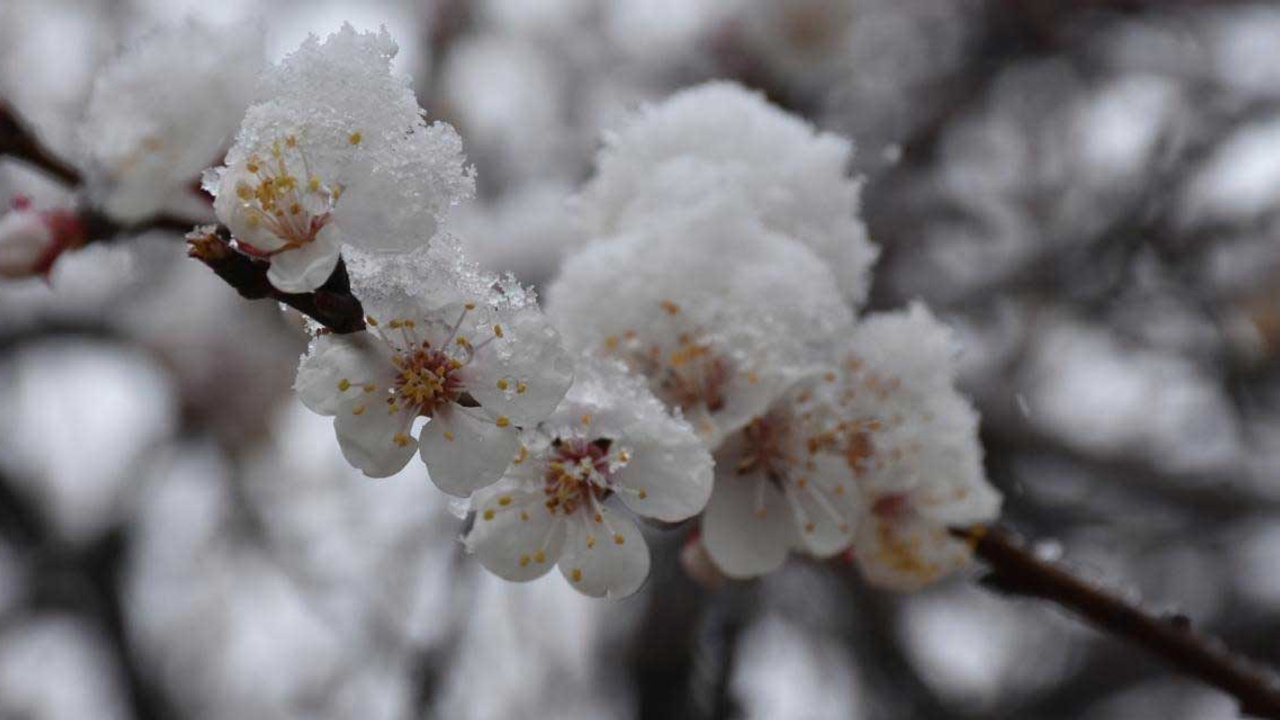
x=1088, y=191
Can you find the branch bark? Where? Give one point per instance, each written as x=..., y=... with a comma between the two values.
x=20, y=142
x=1016, y=570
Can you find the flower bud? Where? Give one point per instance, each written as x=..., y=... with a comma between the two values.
x=31, y=240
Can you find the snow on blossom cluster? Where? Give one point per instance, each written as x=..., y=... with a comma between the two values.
x=456, y=365
x=701, y=356
x=727, y=253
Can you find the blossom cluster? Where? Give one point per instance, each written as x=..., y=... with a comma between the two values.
x=727, y=265
x=701, y=357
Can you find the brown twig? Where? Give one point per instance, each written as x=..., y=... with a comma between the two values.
x=331, y=305
x=1015, y=569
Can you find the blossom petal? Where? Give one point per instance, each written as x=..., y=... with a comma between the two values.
x=464, y=453
x=305, y=268
x=525, y=374
x=514, y=536
x=675, y=480
x=333, y=359
x=242, y=220
x=605, y=559
x=907, y=553
x=373, y=438
x=827, y=507
x=740, y=541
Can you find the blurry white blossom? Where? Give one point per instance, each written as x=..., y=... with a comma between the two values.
x=59, y=666
x=163, y=111
x=720, y=137
x=446, y=342
x=31, y=240
x=336, y=152
x=609, y=437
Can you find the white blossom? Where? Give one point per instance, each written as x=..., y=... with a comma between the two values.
x=163, y=111
x=610, y=437
x=722, y=137
x=468, y=351
x=31, y=240
x=880, y=454
x=783, y=484
x=336, y=153
x=719, y=313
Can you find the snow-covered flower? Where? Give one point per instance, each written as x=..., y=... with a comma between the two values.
x=470, y=352
x=921, y=471
x=719, y=313
x=610, y=437
x=784, y=483
x=721, y=137
x=31, y=240
x=163, y=111
x=336, y=153
x=881, y=454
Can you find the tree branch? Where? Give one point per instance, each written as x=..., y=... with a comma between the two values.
x=331, y=305
x=1015, y=569
x=19, y=141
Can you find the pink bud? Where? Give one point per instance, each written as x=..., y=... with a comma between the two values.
x=30, y=240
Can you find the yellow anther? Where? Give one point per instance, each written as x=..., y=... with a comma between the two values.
x=488, y=514
x=524, y=560
x=598, y=518
x=670, y=307
x=401, y=439
x=358, y=410
x=521, y=388
x=591, y=541
x=524, y=515
x=470, y=306
x=505, y=500
x=291, y=140
x=395, y=324
x=643, y=495
x=540, y=557
x=371, y=320
x=497, y=330
x=611, y=342
x=502, y=421
x=370, y=387
x=448, y=436
x=808, y=527
x=313, y=184
x=344, y=385
x=503, y=384
x=586, y=418
x=618, y=539
x=355, y=138
x=576, y=575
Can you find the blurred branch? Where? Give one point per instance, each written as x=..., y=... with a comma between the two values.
x=84, y=579
x=1015, y=569
x=19, y=141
